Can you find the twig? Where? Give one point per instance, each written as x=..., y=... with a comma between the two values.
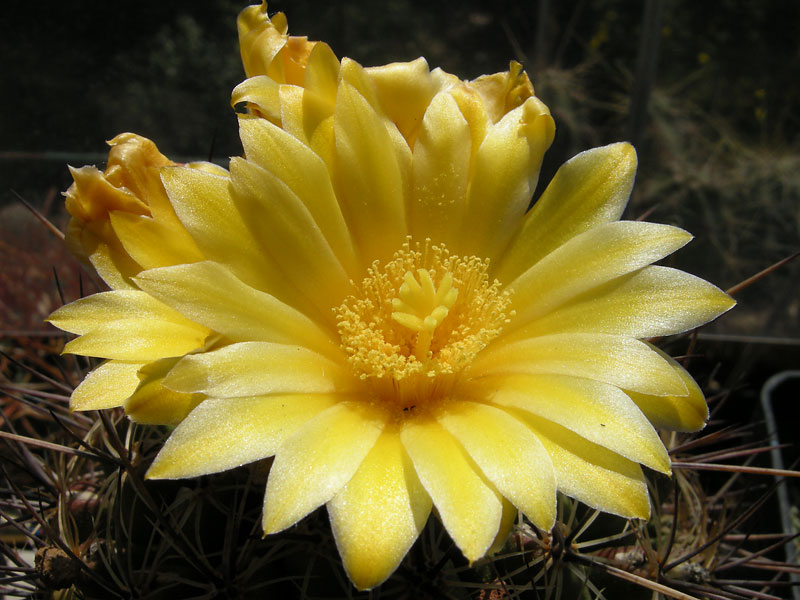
x=732, y=291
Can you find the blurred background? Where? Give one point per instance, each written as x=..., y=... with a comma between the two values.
x=707, y=90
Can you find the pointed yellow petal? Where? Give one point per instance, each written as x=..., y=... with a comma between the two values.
x=591, y=188
x=127, y=325
x=256, y=368
x=210, y=294
x=154, y=404
x=621, y=361
x=322, y=76
x=510, y=514
x=440, y=173
x=221, y=434
x=596, y=411
x=304, y=172
x=114, y=266
x=680, y=413
x=95, y=311
x=504, y=175
x=379, y=513
x=356, y=76
x=369, y=181
x=589, y=260
x=139, y=340
x=107, y=386
x=204, y=205
x=315, y=463
x=510, y=456
x=590, y=473
x=290, y=235
x=292, y=112
x=651, y=302
x=153, y=243
x=468, y=507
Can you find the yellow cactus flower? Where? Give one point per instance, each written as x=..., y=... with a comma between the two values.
x=370, y=301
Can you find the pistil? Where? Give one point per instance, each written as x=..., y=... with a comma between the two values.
x=421, y=307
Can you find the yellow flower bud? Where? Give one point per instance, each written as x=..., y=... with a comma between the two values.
x=122, y=221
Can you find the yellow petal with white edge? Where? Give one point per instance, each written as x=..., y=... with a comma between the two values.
x=152, y=243
x=509, y=517
x=510, y=456
x=597, y=411
x=204, y=205
x=208, y=293
x=379, y=514
x=290, y=235
x=304, y=172
x=589, y=260
x=256, y=368
x=315, y=463
x=107, y=386
x=369, y=181
x=96, y=311
x=651, y=302
x=618, y=360
x=154, y=404
x=223, y=433
x=139, y=340
x=504, y=175
x=440, y=173
x=470, y=510
x=590, y=189
x=680, y=413
x=590, y=473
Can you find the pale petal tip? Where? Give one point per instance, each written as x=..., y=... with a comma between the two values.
x=166, y=469
x=276, y=518
x=271, y=524
x=727, y=302
x=368, y=576
x=160, y=469
x=662, y=463
x=624, y=150
x=641, y=512
x=623, y=156
x=546, y=519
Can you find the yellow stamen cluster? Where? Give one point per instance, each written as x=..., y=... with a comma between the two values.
x=419, y=320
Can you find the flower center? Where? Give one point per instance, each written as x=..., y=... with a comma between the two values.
x=418, y=320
